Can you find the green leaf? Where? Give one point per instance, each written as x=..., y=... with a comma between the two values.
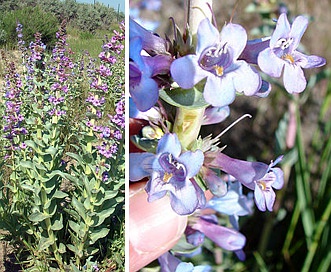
x=26, y=164
x=45, y=242
x=51, y=150
x=79, y=207
x=190, y=99
x=37, y=216
x=75, y=227
x=59, y=194
x=148, y=145
x=58, y=224
x=101, y=216
x=74, y=249
x=98, y=234
x=75, y=156
x=62, y=248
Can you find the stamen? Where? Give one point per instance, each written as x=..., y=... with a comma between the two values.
x=289, y=58
x=167, y=177
x=233, y=124
x=262, y=185
x=284, y=43
x=219, y=70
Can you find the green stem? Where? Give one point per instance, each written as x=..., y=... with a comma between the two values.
x=50, y=232
x=188, y=121
x=316, y=238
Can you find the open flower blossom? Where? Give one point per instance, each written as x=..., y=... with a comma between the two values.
x=256, y=176
x=234, y=203
x=170, y=171
x=282, y=54
x=216, y=59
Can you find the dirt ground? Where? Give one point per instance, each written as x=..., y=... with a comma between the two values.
x=7, y=257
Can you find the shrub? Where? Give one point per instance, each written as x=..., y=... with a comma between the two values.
x=34, y=20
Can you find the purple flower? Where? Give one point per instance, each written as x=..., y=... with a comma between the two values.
x=170, y=263
x=282, y=54
x=143, y=88
x=214, y=115
x=170, y=171
x=216, y=59
x=151, y=43
x=256, y=176
x=228, y=239
x=233, y=203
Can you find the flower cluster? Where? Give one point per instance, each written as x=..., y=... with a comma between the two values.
x=13, y=116
x=109, y=128
x=177, y=87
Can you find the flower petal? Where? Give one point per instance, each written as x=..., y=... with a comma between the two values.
x=279, y=180
x=308, y=61
x=226, y=238
x=259, y=198
x=192, y=161
x=168, y=262
x=294, y=78
x=234, y=36
x=183, y=199
x=146, y=88
x=140, y=165
x=214, y=115
x=299, y=27
x=207, y=36
x=281, y=31
x=270, y=63
x=253, y=49
x=270, y=198
x=246, y=79
x=219, y=91
x=244, y=171
x=186, y=71
x=169, y=143
x=150, y=42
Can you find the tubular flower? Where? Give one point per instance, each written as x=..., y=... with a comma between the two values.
x=170, y=263
x=216, y=59
x=143, y=88
x=170, y=171
x=228, y=239
x=256, y=176
x=282, y=54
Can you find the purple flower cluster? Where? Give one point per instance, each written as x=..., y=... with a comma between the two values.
x=222, y=59
x=13, y=116
x=61, y=69
x=109, y=130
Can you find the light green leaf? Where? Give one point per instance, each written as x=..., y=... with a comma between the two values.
x=38, y=216
x=45, y=242
x=190, y=99
x=98, y=234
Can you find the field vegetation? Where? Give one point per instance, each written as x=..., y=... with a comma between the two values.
x=62, y=144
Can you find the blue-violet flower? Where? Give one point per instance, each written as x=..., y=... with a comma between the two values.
x=216, y=59
x=282, y=54
x=170, y=171
x=256, y=176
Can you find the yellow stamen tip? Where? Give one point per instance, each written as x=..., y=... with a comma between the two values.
x=219, y=70
x=167, y=177
x=289, y=58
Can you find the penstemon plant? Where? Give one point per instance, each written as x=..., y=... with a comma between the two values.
x=191, y=82
x=62, y=186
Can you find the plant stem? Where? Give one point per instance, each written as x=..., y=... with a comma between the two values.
x=188, y=121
